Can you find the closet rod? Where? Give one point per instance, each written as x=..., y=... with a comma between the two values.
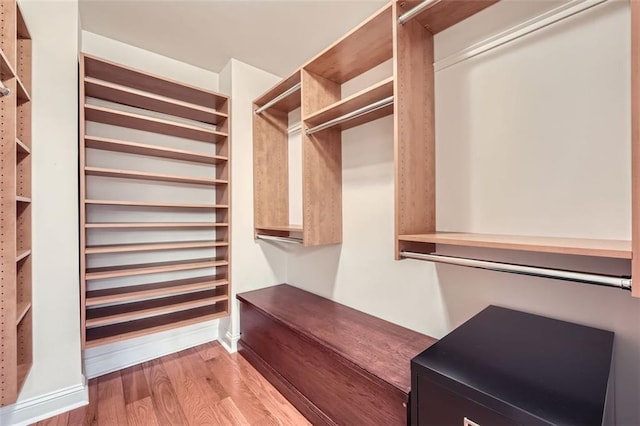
x=426, y=4
x=623, y=283
x=353, y=114
x=278, y=98
x=290, y=240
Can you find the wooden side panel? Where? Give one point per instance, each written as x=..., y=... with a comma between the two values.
x=83, y=208
x=223, y=197
x=270, y=169
x=635, y=145
x=321, y=167
x=414, y=128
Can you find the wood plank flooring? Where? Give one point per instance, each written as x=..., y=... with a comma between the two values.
x=204, y=385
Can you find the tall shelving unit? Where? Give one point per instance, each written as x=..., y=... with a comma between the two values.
x=119, y=97
x=16, y=353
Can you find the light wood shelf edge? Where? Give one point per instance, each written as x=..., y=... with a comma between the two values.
x=150, y=268
x=114, y=225
x=132, y=174
x=127, y=248
x=23, y=309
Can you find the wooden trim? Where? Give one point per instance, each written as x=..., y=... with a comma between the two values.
x=105, y=144
x=155, y=204
x=130, y=120
x=142, y=225
x=129, y=248
x=130, y=174
x=571, y=246
x=151, y=268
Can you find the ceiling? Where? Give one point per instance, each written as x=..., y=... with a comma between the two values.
x=276, y=36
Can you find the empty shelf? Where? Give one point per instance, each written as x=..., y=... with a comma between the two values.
x=153, y=290
x=97, y=317
x=375, y=93
x=172, y=225
x=22, y=254
x=23, y=309
x=128, y=174
x=22, y=148
x=136, y=98
x=150, y=150
x=151, y=268
x=150, y=124
x=22, y=199
x=114, y=333
x=573, y=246
x=154, y=204
x=127, y=248
x=367, y=45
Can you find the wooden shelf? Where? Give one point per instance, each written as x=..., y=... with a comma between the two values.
x=138, y=225
x=151, y=268
x=23, y=93
x=129, y=248
x=446, y=13
x=22, y=199
x=115, y=333
x=129, y=174
x=153, y=290
x=150, y=150
x=372, y=94
x=291, y=102
x=99, y=317
x=367, y=45
x=23, y=309
x=154, y=204
x=119, y=74
x=572, y=246
x=150, y=124
x=23, y=255
x=6, y=70
x=289, y=228
x=124, y=95
x=22, y=148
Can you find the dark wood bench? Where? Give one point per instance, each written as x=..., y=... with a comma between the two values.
x=337, y=365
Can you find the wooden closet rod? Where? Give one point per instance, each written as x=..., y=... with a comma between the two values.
x=426, y=4
x=353, y=114
x=623, y=283
x=278, y=98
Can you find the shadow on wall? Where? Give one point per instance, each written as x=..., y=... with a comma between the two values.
x=323, y=277
x=467, y=291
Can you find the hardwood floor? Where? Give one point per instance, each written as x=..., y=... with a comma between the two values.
x=204, y=385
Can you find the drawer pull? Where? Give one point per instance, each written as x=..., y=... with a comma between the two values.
x=468, y=422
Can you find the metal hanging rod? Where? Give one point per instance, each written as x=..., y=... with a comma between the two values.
x=279, y=98
x=597, y=279
x=518, y=31
x=426, y=4
x=353, y=114
x=296, y=128
x=289, y=240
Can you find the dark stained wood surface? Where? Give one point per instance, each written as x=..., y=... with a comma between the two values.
x=204, y=385
x=381, y=348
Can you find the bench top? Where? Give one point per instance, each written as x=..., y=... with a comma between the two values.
x=382, y=348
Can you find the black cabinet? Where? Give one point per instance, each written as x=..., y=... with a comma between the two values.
x=504, y=367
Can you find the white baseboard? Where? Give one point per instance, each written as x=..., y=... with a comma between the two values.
x=106, y=359
x=230, y=342
x=42, y=407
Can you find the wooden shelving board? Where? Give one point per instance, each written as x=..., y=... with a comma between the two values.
x=571, y=246
x=446, y=13
x=23, y=93
x=287, y=104
x=23, y=254
x=374, y=93
x=23, y=309
x=22, y=148
x=6, y=70
x=130, y=174
x=102, y=316
x=129, y=248
x=116, y=117
x=153, y=290
x=151, y=268
x=289, y=228
x=115, y=333
x=106, y=144
x=22, y=199
x=154, y=204
x=153, y=225
x=149, y=101
x=367, y=45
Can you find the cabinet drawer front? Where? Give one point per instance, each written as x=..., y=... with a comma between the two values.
x=438, y=406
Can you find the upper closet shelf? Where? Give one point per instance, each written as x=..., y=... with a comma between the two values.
x=571, y=246
x=122, y=75
x=438, y=15
x=151, y=124
x=136, y=98
x=284, y=96
x=368, y=45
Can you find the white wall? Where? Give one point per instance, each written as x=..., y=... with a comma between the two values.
x=254, y=264
x=56, y=328
x=552, y=166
